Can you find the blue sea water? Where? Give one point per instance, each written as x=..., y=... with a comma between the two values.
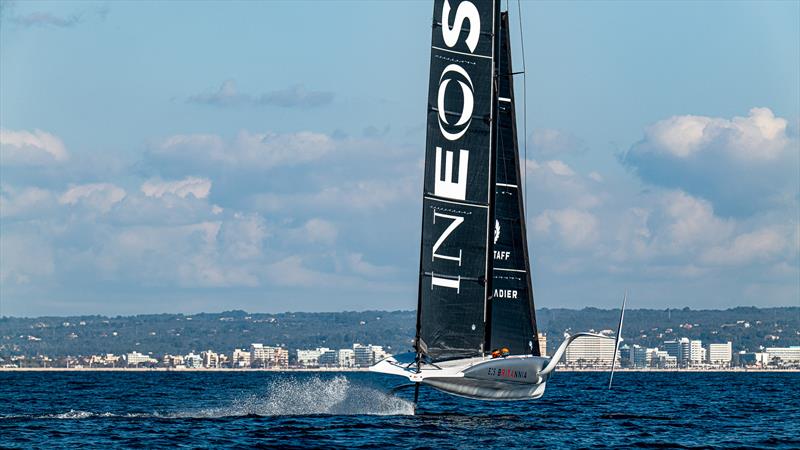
x=291, y=409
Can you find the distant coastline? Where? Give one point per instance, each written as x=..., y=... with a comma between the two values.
x=354, y=369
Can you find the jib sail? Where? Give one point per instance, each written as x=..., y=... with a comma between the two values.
x=513, y=323
x=458, y=186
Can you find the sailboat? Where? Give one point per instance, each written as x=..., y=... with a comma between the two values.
x=476, y=333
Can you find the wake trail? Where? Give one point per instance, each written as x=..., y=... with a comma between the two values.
x=284, y=397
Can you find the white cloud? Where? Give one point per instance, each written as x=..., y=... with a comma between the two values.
x=759, y=245
x=226, y=95
x=691, y=220
x=198, y=187
x=760, y=135
x=555, y=185
x=360, y=266
x=548, y=142
x=742, y=165
x=296, y=96
x=243, y=237
x=101, y=196
x=248, y=150
x=365, y=195
x=20, y=202
x=576, y=228
x=320, y=230
x=41, y=18
x=35, y=147
x=192, y=255
x=560, y=168
x=25, y=258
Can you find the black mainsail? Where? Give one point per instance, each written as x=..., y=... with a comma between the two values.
x=458, y=189
x=475, y=292
x=513, y=321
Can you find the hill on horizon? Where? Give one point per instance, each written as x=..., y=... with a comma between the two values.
x=747, y=327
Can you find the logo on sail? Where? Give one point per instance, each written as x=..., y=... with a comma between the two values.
x=451, y=73
x=452, y=155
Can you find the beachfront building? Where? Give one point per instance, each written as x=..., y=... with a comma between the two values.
x=686, y=352
x=674, y=349
x=661, y=359
x=211, y=360
x=193, y=361
x=542, y=344
x=753, y=359
x=378, y=353
x=136, y=359
x=329, y=358
x=367, y=355
x=270, y=357
x=363, y=355
x=240, y=358
x=280, y=359
x=347, y=358
x=589, y=350
x=626, y=356
x=697, y=353
x=720, y=354
x=636, y=356
x=642, y=356
x=109, y=359
x=259, y=354
x=310, y=358
x=172, y=360
x=784, y=354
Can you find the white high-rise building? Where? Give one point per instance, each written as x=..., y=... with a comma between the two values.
x=641, y=356
x=347, y=358
x=367, y=355
x=310, y=358
x=329, y=359
x=135, y=358
x=240, y=358
x=280, y=359
x=591, y=351
x=720, y=354
x=697, y=354
x=193, y=361
x=378, y=353
x=210, y=359
x=663, y=360
x=786, y=354
x=542, y=338
x=259, y=354
x=265, y=356
x=685, y=351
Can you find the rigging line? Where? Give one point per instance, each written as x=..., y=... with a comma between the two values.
x=524, y=109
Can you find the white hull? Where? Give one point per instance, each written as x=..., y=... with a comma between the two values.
x=521, y=377
x=509, y=378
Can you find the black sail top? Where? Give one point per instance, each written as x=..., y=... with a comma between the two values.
x=513, y=322
x=458, y=188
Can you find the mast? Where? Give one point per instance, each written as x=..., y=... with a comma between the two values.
x=495, y=136
x=453, y=314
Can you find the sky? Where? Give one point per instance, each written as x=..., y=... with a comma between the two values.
x=205, y=156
